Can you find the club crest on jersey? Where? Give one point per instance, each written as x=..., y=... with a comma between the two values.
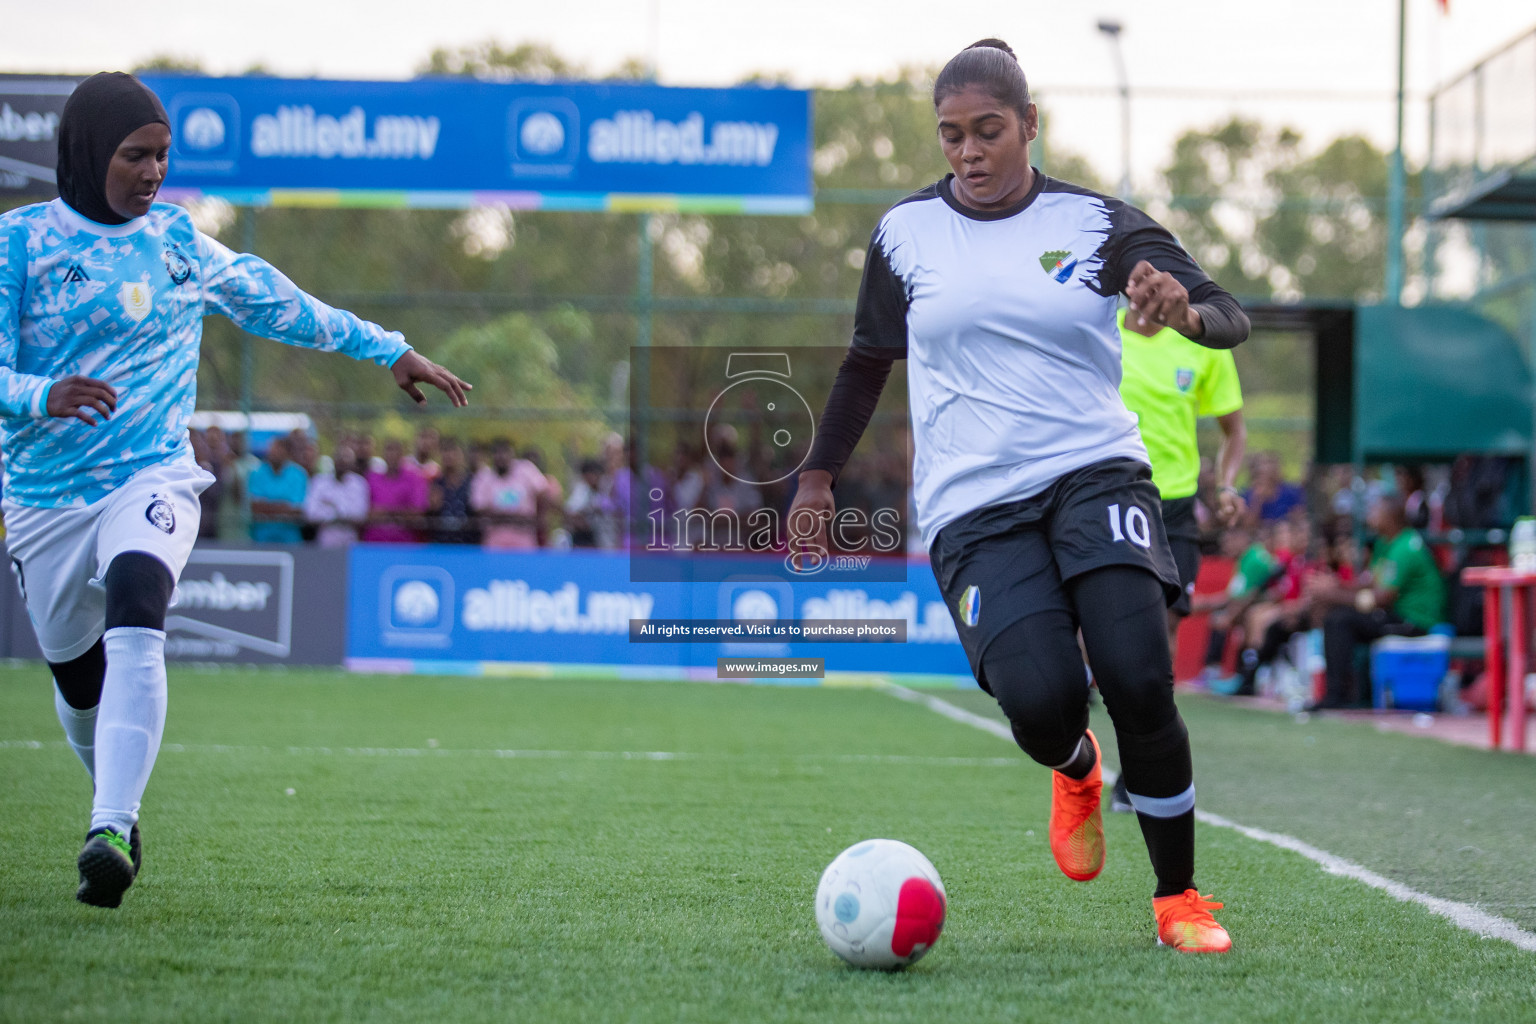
x=176, y=265
x=1059, y=263
x=138, y=298
x=161, y=514
x=970, y=605
x=1185, y=379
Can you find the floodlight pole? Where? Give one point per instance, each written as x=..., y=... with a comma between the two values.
x=1112, y=29
x=1397, y=183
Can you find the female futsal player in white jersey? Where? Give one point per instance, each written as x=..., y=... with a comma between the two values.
x=999, y=286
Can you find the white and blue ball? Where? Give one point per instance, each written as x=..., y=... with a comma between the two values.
x=880, y=904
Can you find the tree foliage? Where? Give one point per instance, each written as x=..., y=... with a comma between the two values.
x=525, y=62
x=170, y=64
x=1269, y=220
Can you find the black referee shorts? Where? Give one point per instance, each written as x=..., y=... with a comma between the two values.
x=1184, y=540
x=1002, y=563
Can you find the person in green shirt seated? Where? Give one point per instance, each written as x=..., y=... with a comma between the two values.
x=1401, y=594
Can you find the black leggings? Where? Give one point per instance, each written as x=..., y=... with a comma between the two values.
x=1035, y=670
x=139, y=589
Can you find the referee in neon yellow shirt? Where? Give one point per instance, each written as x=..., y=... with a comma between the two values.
x=1169, y=382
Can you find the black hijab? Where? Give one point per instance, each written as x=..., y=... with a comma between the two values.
x=102, y=111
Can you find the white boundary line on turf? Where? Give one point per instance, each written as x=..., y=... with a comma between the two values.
x=547, y=755
x=1462, y=915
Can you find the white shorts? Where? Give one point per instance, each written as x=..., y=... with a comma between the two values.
x=60, y=555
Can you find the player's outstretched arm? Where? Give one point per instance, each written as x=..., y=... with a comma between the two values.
x=414, y=368
x=262, y=300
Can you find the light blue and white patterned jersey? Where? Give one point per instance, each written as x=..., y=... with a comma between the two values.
x=125, y=304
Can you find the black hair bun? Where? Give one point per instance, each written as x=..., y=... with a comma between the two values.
x=996, y=44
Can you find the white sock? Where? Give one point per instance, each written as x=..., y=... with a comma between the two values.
x=130, y=722
x=79, y=728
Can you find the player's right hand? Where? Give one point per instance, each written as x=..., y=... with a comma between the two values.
x=809, y=514
x=81, y=398
x=413, y=368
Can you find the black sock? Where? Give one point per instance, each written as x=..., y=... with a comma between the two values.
x=1082, y=761
x=1159, y=777
x=1171, y=846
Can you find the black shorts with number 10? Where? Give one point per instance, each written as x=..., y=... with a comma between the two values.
x=1003, y=563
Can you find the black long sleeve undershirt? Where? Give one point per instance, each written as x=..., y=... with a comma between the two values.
x=1226, y=325
x=855, y=394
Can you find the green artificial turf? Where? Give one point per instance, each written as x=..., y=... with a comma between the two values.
x=1449, y=821
x=331, y=847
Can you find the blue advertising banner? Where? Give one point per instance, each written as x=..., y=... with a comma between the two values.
x=450, y=609
x=441, y=142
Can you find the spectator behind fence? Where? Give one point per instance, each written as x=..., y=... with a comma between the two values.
x=729, y=488
x=397, y=500
x=238, y=464
x=1418, y=505
x=425, y=454
x=452, y=517
x=474, y=457
x=219, y=458
x=583, y=509
x=1328, y=564
x=278, y=487
x=631, y=502
x=213, y=494
x=549, y=504
x=303, y=450
x=506, y=495
x=337, y=502
x=688, y=481
x=367, y=462
x=1269, y=497
x=1402, y=595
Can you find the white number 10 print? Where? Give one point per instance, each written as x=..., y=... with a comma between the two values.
x=1137, y=529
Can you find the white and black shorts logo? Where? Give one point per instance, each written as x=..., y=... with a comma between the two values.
x=161, y=513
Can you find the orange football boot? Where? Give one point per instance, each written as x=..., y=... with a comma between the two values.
x=1185, y=923
x=1077, y=824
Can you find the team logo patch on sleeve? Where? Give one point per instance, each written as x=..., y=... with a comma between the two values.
x=161, y=514
x=970, y=605
x=176, y=265
x=1059, y=263
x=138, y=298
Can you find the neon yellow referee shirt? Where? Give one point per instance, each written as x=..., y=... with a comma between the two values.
x=1169, y=382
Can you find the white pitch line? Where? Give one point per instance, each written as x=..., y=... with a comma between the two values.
x=1462, y=915
x=548, y=755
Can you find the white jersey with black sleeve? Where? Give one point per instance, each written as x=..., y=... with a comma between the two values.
x=1007, y=322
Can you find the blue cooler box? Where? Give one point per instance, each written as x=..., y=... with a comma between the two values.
x=1406, y=671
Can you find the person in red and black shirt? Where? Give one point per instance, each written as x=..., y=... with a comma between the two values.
x=999, y=287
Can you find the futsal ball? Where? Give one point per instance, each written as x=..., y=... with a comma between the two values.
x=880, y=904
